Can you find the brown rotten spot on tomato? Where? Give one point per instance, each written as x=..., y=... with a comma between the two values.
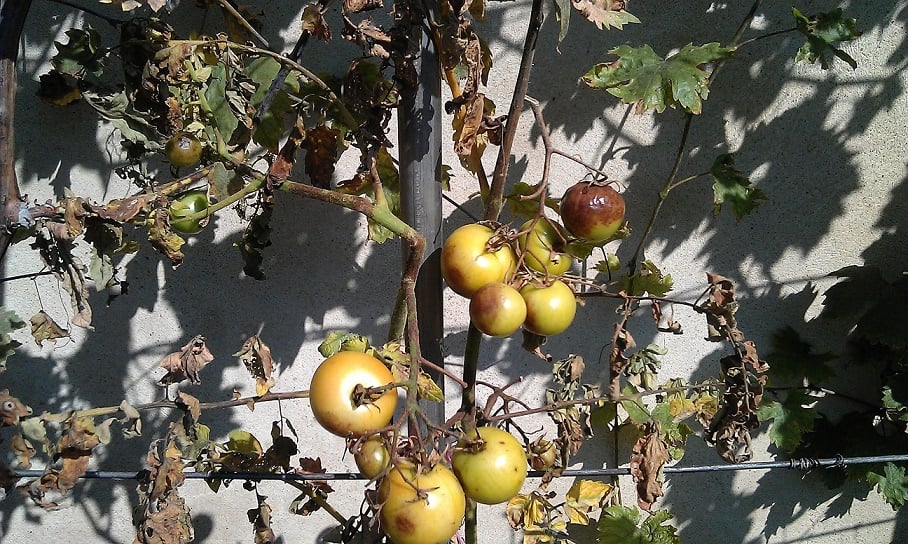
x=592, y=211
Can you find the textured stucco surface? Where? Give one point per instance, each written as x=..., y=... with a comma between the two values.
x=828, y=148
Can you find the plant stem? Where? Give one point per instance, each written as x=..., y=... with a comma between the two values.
x=495, y=200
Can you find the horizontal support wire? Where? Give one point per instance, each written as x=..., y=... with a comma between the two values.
x=803, y=464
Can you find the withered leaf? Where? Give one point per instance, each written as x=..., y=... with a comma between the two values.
x=467, y=125
x=605, y=13
x=124, y=209
x=256, y=357
x=189, y=403
x=649, y=455
x=260, y=518
x=11, y=409
x=45, y=328
x=186, y=363
x=322, y=145
x=163, y=239
x=69, y=271
x=23, y=450
x=314, y=22
x=131, y=420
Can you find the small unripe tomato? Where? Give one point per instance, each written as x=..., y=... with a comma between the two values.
x=550, y=309
x=188, y=203
x=372, y=457
x=183, y=150
x=497, y=309
x=467, y=265
x=491, y=470
x=540, y=246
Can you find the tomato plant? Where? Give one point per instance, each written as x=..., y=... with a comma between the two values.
x=491, y=467
x=550, y=308
x=497, y=309
x=541, y=245
x=339, y=394
x=468, y=263
x=189, y=203
x=592, y=211
x=420, y=506
x=183, y=150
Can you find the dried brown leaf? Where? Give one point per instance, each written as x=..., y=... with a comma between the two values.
x=186, y=363
x=649, y=455
x=23, y=451
x=359, y=6
x=45, y=328
x=314, y=22
x=189, y=403
x=467, y=131
x=256, y=357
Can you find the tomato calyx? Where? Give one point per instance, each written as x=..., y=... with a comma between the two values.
x=369, y=395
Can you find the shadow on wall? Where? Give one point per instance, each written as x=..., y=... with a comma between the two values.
x=313, y=270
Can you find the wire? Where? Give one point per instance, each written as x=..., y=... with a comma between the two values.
x=803, y=464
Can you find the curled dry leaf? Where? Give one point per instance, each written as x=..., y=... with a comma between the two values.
x=720, y=310
x=186, y=363
x=256, y=357
x=163, y=516
x=260, y=518
x=729, y=430
x=190, y=404
x=649, y=455
x=80, y=436
x=359, y=6
x=45, y=328
x=11, y=409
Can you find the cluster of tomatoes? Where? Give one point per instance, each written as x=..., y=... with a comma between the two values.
x=480, y=263
x=352, y=395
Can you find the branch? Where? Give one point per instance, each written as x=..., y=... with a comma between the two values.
x=496, y=192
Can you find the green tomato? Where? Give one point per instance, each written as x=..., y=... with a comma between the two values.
x=372, y=457
x=187, y=204
x=497, y=309
x=540, y=246
x=491, y=470
x=550, y=309
x=183, y=150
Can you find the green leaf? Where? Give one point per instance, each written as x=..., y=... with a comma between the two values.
x=216, y=96
x=82, y=53
x=643, y=78
x=117, y=109
x=390, y=180
x=9, y=322
x=821, y=31
x=790, y=419
x=731, y=185
x=672, y=429
x=647, y=279
x=342, y=341
x=618, y=524
x=633, y=406
x=792, y=358
x=892, y=484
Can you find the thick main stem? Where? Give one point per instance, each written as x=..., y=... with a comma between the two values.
x=12, y=21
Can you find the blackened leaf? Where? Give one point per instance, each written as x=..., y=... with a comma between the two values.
x=643, y=78
x=730, y=185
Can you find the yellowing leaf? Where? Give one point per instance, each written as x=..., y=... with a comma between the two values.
x=643, y=78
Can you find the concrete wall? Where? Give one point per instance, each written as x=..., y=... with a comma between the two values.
x=828, y=148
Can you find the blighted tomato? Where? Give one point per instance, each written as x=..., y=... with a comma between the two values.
x=467, y=264
x=420, y=506
x=336, y=386
x=550, y=308
x=592, y=211
x=183, y=150
x=372, y=457
x=491, y=469
x=497, y=309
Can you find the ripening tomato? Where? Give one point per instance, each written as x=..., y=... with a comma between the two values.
x=497, y=309
x=592, y=211
x=492, y=470
x=467, y=265
x=540, y=246
x=430, y=515
x=550, y=309
x=183, y=149
x=372, y=457
x=187, y=204
x=333, y=388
